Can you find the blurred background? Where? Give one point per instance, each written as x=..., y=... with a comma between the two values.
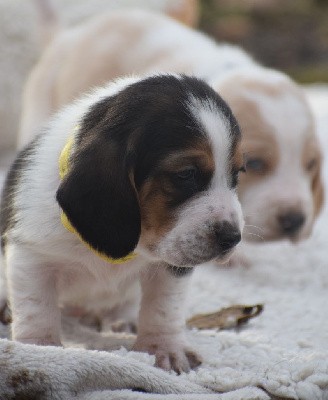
x=291, y=35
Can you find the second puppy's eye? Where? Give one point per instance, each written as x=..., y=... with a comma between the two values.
x=256, y=165
x=187, y=174
x=311, y=165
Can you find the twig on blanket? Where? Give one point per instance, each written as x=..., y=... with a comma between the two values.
x=226, y=318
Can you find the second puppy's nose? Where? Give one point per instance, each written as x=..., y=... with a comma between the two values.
x=291, y=222
x=227, y=235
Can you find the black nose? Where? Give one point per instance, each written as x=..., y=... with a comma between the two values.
x=291, y=222
x=227, y=235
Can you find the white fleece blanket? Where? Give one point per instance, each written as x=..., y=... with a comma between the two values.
x=282, y=354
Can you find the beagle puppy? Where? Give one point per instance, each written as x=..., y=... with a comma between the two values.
x=281, y=193
x=135, y=181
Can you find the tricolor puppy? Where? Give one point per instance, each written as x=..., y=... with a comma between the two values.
x=135, y=181
x=281, y=193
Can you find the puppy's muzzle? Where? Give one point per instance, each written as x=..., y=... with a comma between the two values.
x=227, y=236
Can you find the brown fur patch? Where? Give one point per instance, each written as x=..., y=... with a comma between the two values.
x=258, y=140
x=153, y=204
x=202, y=156
x=238, y=158
x=185, y=11
x=312, y=154
x=156, y=215
x=318, y=193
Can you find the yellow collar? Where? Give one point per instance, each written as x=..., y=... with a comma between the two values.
x=63, y=170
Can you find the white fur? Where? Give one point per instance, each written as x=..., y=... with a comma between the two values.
x=215, y=125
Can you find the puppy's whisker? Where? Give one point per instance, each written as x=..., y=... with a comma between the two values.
x=250, y=214
x=254, y=234
x=254, y=226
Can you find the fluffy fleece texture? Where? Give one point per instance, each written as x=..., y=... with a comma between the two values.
x=282, y=354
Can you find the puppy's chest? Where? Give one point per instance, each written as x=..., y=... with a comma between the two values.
x=97, y=283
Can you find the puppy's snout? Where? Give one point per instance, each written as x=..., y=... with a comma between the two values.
x=227, y=235
x=291, y=222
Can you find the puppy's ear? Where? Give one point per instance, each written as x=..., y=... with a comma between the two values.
x=318, y=192
x=98, y=195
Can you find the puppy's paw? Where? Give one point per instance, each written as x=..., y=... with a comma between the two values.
x=170, y=352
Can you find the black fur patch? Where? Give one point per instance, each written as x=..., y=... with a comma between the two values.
x=120, y=144
x=7, y=212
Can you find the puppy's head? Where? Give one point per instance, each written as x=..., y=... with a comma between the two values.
x=281, y=192
x=156, y=166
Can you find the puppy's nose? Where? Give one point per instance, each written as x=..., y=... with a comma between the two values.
x=227, y=235
x=291, y=222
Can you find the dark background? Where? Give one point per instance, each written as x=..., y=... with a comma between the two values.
x=290, y=35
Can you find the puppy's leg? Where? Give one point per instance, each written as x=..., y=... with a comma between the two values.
x=32, y=297
x=161, y=327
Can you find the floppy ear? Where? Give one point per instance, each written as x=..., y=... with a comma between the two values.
x=318, y=192
x=98, y=197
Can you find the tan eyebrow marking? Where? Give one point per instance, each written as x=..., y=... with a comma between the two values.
x=200, y=155
x=238, y=159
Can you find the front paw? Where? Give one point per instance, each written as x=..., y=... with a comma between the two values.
x=170, y=352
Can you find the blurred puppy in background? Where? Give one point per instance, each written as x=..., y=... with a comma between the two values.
x=281, y=193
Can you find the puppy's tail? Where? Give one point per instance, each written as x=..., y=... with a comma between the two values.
x=48, y=20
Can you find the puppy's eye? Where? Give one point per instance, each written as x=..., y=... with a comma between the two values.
x=255, y=165
x=187, y=174
x=311, y=165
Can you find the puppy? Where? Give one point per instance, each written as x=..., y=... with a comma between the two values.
x=282, y=192
x=134, y=181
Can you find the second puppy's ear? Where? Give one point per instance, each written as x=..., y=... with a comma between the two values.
x=98, y=195
x=318, y=192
